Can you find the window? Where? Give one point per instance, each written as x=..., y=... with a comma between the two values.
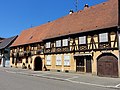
x=48, y=60
x=66, y=60
x=58, y=60
x=58, y=43
x=119, y=41
x=103, y=37
x=48, y=45
x=65, y=42
x=82, y=40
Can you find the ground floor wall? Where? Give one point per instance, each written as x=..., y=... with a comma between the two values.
x=57, y=62
x=26, y=62
x=73, y=62
x=82, y=62
x=4, y=60
x=87, y=62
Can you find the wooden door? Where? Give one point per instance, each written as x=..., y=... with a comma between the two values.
x=80, y=66
x=107, y=66
x=88, y=64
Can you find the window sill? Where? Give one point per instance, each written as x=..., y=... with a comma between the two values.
x=48, y=65
x=58, y=65
x=103, y=42
x=66, y=65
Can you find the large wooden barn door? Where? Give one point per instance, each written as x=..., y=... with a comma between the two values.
x=107, y=66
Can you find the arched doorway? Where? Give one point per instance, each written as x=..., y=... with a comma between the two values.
x=107, y=65
x=38, y=64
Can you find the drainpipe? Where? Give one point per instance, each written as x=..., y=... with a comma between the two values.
x=118, y=35
x=118, y=42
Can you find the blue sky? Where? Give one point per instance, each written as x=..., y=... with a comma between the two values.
x=18, y=15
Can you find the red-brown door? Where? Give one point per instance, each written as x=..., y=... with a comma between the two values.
x=107, y=66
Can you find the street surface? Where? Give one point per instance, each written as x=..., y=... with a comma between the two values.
x=19, y=79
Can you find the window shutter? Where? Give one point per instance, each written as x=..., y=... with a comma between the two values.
x=66, y=60
x=58, y=60
x=48, y=60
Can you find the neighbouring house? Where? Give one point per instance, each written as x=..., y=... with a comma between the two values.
x=5, y=51
x=86, y=41
x=1, y=39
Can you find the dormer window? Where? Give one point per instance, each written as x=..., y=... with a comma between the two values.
x=82, y=40
x=65, y=42
x=31, y=37
x=103, y=37
x=58, y=43
x=48, y=45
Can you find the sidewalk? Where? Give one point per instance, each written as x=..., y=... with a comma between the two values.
x=87, y=79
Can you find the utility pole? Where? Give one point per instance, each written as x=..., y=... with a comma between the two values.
x=76, y=5
x=31, y=26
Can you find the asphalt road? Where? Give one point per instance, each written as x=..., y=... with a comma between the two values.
x=12, y=81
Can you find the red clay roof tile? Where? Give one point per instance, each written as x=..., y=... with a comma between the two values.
x=103, y=15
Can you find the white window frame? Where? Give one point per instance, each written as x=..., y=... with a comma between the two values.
x=119, y=41
x=82, y=40
x=66, y=60
x=65, y=42
x=48, y=44
x=58, y=60
x=103, y=37
x=48, y=60
x=58, y=43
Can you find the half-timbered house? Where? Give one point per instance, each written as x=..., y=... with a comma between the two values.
x=86, y=41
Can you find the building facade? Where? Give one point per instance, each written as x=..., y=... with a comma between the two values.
x=5, y=51
x=1, y=39
x=86, y=41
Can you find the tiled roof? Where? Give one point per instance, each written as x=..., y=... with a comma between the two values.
x=32, y=35
x=1, y=39
x=7, y=42
x=101, y=16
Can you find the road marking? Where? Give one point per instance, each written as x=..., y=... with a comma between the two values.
x=117, y=85
x=98, y=85
x=72, y=78
x=69, y=79
x=38, y=75
x=10, y=72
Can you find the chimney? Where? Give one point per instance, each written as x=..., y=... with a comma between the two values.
x=86, y=6
x=71, y=11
